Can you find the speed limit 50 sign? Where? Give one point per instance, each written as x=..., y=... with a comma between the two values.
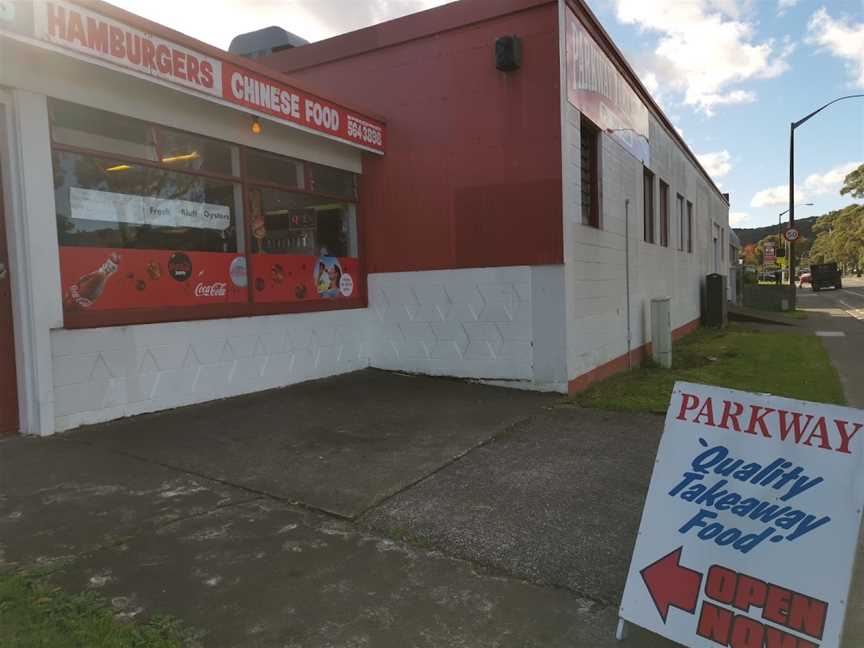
x=791, y=234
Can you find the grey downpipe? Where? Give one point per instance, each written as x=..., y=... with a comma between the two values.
x=627, y=274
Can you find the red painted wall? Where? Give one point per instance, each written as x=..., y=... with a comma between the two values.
x=471, y=176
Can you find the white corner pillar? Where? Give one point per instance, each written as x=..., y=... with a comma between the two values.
x=34, y=259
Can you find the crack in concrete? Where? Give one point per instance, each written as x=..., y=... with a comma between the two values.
x=479, y=568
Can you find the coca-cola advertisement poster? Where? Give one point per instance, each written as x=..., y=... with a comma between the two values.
x=98, y=279
x=291, y=278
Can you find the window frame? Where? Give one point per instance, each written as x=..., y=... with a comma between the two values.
x=592, y=219
x=689, y=227
x=682, y=220
x=649, y=234
x=664, y=213
x=250, y=308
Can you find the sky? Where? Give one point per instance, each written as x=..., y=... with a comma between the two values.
x=730, y=74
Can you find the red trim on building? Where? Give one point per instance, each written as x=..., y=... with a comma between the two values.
x=473, y=174
x=619, y=364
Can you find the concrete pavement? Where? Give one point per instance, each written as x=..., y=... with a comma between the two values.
x=282, y=519
x=349, y=512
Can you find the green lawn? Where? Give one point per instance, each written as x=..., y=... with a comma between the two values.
x=34, y=614
x=784, y=364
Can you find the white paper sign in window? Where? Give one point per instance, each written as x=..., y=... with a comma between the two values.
x=88, y=204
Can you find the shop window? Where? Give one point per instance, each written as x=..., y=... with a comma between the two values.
x=274, y=169
x=682, y=224
x=332, y=182
x=107, y=203
x=589, y=164
x=304, y=247
x=155, y=224
x=648, y=206
x=689, y=226
x=664, y=214
x=182, y=151
x=98, y=130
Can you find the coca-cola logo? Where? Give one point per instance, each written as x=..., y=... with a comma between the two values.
x=215, y=289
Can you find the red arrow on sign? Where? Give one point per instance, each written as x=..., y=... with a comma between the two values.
x=671, y=585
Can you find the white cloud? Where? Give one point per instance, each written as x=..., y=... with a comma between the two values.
x=843, y=38
x=717, y=164
x=783, y=5
x=310, y=19
x=829, y=182
x=775, y=196
x=705, y=49
x=737, y=219
x=816, y=184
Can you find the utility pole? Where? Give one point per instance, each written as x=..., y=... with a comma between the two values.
x=792, y=127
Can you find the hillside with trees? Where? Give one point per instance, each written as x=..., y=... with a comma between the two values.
x=840, y=233
x=752, y=235
x=836, y=236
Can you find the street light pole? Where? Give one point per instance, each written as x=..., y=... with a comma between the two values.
x=793, y=126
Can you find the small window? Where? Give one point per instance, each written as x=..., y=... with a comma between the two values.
x=185, y=152
x=648, y=206
x=274, y=169
x=722, y=244
x=97, y=130
x=689, y=226
x=332, y=182
x=664, y=214
x=589, y=164
x=682, y=224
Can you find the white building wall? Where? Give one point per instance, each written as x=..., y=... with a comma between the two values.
x=596, y=259
x=107, y=373
x=472, y=323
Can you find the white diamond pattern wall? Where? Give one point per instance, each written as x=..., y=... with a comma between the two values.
x=469, y=323
x=107, y=373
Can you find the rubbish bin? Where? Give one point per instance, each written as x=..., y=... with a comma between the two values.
x=716, y=308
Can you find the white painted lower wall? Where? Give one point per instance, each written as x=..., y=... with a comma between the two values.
x=497, y=324
x=107, y=373
x=478, y=323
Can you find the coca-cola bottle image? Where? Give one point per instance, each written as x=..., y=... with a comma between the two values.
x=84, y=293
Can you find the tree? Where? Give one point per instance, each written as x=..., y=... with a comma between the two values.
x=854, y=183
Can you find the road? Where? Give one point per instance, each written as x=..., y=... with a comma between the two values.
x=838, y=316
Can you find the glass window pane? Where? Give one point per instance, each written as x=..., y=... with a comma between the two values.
x=98, y=130
x=276, y=169
x=183, y=151
x=291, y=223
x=332, y=182
x=305, y=247
x=106, y=203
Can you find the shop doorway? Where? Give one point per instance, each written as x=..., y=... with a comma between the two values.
x=8, y=378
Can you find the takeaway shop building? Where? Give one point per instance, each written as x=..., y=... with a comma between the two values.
x=180, y=224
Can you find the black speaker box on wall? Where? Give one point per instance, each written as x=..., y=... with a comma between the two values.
x=508, y=53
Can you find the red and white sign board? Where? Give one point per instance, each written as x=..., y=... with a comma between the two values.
x=769, y=254
x=791, y=234
x=597, y=89
x=106, y=41
x=751, y=523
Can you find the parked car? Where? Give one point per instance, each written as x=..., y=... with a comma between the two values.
x=823, y=275
x=804, y=279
